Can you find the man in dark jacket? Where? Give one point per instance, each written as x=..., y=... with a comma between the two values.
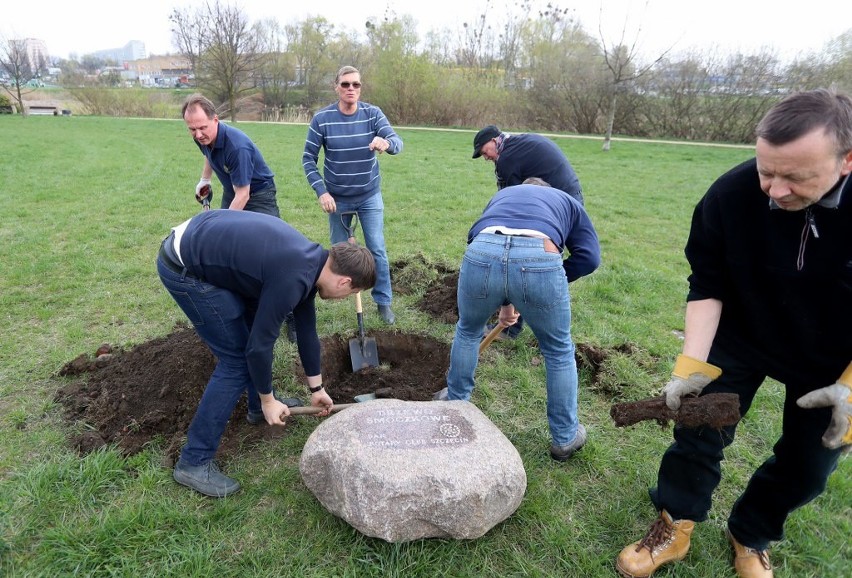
x=236, y=289
x=514, y=262
x=770, y=295
x=518, y=158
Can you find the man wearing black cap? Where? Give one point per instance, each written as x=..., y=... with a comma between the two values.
x=518, y=157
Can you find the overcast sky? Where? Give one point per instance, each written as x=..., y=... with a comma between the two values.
x=69, y=26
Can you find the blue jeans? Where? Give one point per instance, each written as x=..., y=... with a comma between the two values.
x=795, y=474
x=371, y=214
x=500, y=269
x=223, y=321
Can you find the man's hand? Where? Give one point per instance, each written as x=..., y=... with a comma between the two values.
x=839, y=398
x=379, y=144
x=273, y=409
x=689, y=377
x=322, y=399
x=507, y=316
x=202, y=189
x=326, y=203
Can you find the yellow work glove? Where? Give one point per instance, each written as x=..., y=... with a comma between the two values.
x=689, y=377
x=839, y=398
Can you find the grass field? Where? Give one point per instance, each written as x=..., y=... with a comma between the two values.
x=85, y=202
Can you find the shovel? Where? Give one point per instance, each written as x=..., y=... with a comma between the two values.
x=362, y=350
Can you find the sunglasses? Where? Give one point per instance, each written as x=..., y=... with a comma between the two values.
x=348, y=84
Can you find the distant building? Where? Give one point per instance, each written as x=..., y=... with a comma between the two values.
x=36, y=53
x=133, y=50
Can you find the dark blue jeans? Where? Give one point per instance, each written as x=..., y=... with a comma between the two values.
x=223, y=322
x=795, y=474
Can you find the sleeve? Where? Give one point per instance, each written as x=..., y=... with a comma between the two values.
x=313, y=143
x=583, y=246
x=241, y=162
x=385, y=130
x=705, y=250
x=307, y=339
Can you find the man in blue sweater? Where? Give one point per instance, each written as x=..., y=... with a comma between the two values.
x=352, y=133
x=236, y=275
x=514, y=261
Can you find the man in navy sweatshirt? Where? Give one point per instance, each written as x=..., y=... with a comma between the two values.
x=514, y=261
x=353, y=133
x=236, y=275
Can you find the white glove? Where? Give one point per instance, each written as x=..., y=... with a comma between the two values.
x=839, y=398
x=198, y=188
x=689, y=377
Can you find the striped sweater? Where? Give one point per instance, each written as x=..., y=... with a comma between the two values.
x=350, y=169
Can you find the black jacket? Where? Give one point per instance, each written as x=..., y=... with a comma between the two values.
x=784, y=277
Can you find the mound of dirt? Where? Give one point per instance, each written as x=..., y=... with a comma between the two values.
x=150, y=393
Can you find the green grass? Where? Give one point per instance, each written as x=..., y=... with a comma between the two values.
x=85, y=202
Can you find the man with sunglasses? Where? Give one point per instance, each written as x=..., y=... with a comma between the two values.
x=352, y=133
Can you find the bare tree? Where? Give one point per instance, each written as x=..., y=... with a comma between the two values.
x=189, y=30
x=622, y=61
x=224, y=49
x=15, y=62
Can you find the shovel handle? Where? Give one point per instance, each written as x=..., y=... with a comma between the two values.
x=312, y=409
x=492, y=335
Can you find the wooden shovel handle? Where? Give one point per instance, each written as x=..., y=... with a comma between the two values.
x=312, y=409
x=490, y=337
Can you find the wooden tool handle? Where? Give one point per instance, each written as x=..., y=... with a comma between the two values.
x=490, y=337
x=312, y=409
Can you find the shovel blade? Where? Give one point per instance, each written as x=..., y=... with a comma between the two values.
x=364, y=353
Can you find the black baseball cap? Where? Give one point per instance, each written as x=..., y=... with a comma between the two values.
x=482, y=137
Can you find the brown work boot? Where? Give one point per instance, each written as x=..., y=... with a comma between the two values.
x=666, y=541
x=748, y=562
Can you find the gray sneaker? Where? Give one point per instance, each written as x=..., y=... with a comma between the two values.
x=441, y=395
x=256, y=417
x=207, y=479
x=562, y=453
x=386, y=313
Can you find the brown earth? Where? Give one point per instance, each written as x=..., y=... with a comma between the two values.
x=149, y=394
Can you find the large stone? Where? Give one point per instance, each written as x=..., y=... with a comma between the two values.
x=404, y=470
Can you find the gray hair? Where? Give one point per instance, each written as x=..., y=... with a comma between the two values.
x=802, y=112
x=344, y=71
x=201, y=102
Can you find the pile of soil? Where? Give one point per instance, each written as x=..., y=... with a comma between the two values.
x=150, y=393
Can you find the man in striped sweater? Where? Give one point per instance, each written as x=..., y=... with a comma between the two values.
x=352, y=133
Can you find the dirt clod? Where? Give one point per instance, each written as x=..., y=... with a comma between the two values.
x=715, y=410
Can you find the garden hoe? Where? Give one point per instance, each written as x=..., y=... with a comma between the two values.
x=362, y=350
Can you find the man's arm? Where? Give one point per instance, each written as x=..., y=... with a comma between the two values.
x=700, y=324
x=310, y=156
x=241, y=197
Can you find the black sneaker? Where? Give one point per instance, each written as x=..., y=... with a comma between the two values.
x=207, y=479
x=562, y=453
x=256, y=417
